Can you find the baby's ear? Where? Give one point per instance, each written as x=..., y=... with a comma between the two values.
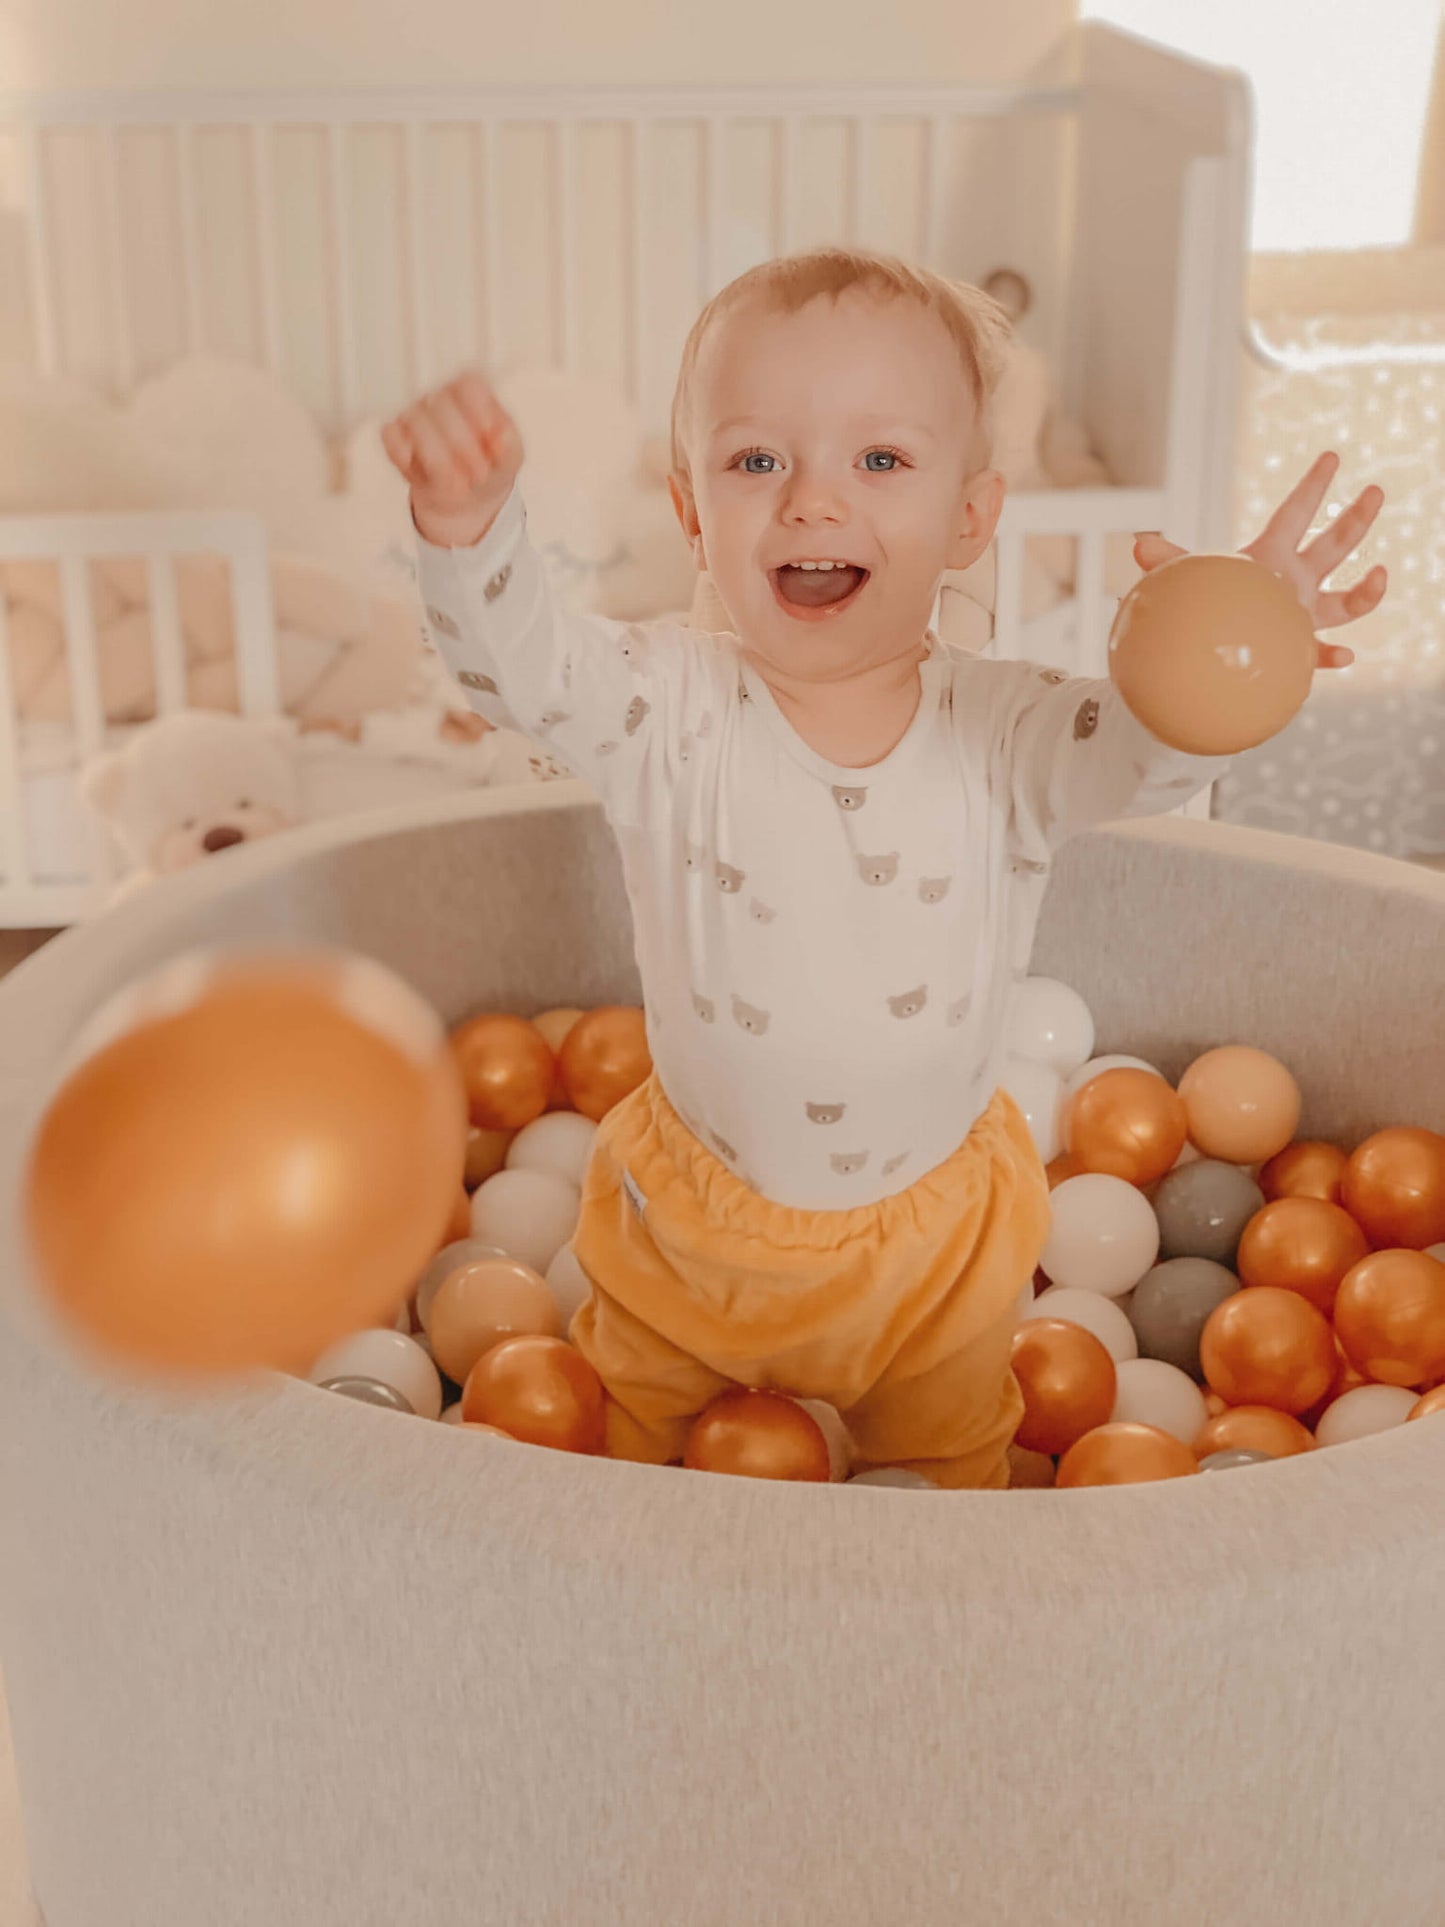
x=680, y=489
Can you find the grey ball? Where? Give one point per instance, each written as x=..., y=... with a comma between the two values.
x=370, y=1391
x=1171, y=1305
x=1203, y=1208
x=1223, y=1461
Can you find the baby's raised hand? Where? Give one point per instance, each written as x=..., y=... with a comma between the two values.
x=460, y=451
x=1278, y=548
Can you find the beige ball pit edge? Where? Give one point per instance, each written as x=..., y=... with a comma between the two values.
x=287, y=1660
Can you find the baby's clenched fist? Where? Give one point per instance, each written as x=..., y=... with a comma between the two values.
x=460, y=451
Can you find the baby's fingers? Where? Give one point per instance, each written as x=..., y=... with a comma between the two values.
x=396, y=440
x=470, y=458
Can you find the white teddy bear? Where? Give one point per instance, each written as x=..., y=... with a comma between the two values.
x=192, y=784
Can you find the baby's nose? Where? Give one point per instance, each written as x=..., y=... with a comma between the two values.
x=221, y=838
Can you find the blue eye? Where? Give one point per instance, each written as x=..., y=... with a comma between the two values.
x=890, y=455
x=756, y=455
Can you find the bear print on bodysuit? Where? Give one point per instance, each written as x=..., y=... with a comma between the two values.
x=878, y=869
x=910, y=1003
x=824, y=1113
x=752, y=1020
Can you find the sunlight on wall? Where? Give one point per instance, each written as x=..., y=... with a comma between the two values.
x=1340, y=99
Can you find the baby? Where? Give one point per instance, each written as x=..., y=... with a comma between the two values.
x=835, y=835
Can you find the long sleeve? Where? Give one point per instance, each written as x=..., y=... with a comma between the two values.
x=1071, y=755
x=595, y=693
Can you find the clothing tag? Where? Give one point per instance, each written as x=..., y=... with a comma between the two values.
x=634, y=1193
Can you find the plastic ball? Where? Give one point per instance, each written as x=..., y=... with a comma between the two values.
x=253, y=1156
x=1308, y=1168
x=560, y=1142
x=1303, y=1245
x=604, y=1058
x=463, y=1251
x=829, y=1421
x=391, y=1359
x=1125, y=1454
x=1429, y=1404
x=1213, y=654
x=1029, y=1471
x=1366, y=1410
x=529, y=1214
x=1346, y=1378
x=1171, y=1305
x=1390, y=1315
x=1226, y=1461
x=554, y=1026
x=759, y=1435
x=369, y=1391
x=1103, y=1237
x=1096, y=1066
x=1268, y=1347
x=1394, y=1188
x=1155, y=1393
x=1048, y=1023
x=1035, y=1089
x=1253, y=1428
x=506, y=1067
x=1243, y=1104
x=1097, y=1314
x=480, y=1304
x=1202, y=1210
x=539, y=1390
x=452, y=1414
x=569, y=1284
x=1058, y=1169
x=486, y=1154
x=1128, y=1123
x=1068, y=1381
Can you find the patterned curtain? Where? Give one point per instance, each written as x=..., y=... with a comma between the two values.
x=1356, y=362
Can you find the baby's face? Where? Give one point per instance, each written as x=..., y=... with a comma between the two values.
x=843, y=432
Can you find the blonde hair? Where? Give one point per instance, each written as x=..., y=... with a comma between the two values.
x=979, y=325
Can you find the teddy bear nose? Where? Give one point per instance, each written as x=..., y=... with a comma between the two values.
x=221, y=838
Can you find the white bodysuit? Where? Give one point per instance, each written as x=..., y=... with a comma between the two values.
x=825, y=952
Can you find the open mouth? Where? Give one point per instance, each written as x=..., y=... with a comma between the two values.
x=814, y=595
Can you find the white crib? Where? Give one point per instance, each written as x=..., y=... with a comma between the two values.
x=363, y=245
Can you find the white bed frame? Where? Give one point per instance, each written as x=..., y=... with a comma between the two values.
x=1120, y=193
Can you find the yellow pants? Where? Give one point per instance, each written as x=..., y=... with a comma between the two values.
x=899, y=1313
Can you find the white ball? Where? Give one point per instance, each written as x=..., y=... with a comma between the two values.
x=830, y=1423
x=530, y=1214
x=559, y=1141
x=895, y=1475
x=1152, y=1392
x=1049, y=1023
x=571, y=1286
x=1097, y=1314
x=452, y=1414
x=1035, y=1089
x=1079, y=1078
x=1435, y=1251
x=1104, y=1235
x=392, y=1358
x=1366, y=1409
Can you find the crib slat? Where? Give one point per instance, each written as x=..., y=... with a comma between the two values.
x=931, y=238
x=14, y=857
x=859, y=151
x=637, y=261
x=1008, y=596
x=166, y=641
x=420, y=349
x=491, y=252
x=253, y=614
x=42, y=267
x=565, y=164
x=267, y=275
x=82, y=659
x=190, y=248
x=710, y=252
x=1093, y=635
x=339, y=196
x=124, y=348
x=789, y=145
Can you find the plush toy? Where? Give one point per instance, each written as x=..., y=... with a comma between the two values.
x=192, y=784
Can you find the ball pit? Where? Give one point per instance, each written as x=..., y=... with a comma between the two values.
x=212, y=1607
